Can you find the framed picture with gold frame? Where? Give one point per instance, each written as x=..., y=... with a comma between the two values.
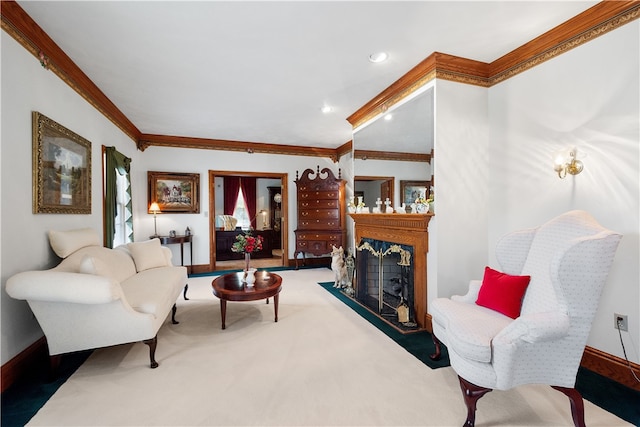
x=61, y=168
x=174, y=192
x=411, y=190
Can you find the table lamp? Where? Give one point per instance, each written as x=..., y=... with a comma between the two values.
x=155, y=209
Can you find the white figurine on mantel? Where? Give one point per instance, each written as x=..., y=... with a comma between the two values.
x=388, y=208
x=378, y=204
x=401, y=209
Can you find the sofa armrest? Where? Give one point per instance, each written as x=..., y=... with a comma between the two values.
x=60, y=286
x=472, y=293
x=535, y=327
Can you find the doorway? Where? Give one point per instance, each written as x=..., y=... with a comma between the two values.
x=220, y=241
x=373, y=187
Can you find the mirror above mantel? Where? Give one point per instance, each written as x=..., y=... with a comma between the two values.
x=397, y=143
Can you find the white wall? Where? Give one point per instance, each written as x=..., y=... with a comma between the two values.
x=458, y=232
x=589, y=98
x=27, y=87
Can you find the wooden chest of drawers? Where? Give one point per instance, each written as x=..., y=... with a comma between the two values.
x=321, y=212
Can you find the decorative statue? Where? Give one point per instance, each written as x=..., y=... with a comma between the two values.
x=350, y=263
x=338, y=267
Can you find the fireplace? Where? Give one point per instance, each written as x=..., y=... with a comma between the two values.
x=397, y=236
x=386, y=281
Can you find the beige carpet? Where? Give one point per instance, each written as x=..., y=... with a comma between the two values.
x=320, y=365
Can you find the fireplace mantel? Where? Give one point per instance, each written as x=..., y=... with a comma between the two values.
x=406, y=229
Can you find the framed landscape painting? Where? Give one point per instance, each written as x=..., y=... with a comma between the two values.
x=61, y=168
x=174, y=192
x=411, y=190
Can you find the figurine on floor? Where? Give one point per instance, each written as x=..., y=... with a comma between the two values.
x=338, y=267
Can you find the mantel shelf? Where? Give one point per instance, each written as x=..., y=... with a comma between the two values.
x=412, y=222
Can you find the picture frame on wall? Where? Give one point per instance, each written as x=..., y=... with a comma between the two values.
x=61, y=168
x=174, y=192
x=411, y=190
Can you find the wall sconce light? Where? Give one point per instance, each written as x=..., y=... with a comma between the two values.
x=565, y=162
x=155, y=209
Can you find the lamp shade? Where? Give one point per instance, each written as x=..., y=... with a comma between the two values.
x=154, y=207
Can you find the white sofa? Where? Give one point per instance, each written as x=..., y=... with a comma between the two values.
x=99, y=297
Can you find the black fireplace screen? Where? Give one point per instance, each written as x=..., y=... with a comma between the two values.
x=385, y=281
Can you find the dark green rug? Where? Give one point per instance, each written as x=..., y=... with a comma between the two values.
x=418, y=343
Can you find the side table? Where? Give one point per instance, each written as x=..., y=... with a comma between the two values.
x=179, y=240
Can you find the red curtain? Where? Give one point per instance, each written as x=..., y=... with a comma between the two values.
x=248, y=185
x=231, y=187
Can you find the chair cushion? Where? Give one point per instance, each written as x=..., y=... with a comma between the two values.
x=147, y=254
x=502, y=292
x=470, y=328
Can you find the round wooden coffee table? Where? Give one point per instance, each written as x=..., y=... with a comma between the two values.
x=229, y=287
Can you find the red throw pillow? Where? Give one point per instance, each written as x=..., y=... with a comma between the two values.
x=502, y=292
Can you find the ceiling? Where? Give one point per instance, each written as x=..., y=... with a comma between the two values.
x=261, y=71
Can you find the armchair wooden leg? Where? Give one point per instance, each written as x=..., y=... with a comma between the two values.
x=577, y=404
x=173, y=314
x=152, y=343
x=436, y=342
x=471, y=394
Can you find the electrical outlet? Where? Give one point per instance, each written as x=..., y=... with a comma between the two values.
x=620, y=321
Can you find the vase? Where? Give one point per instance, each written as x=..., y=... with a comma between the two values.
x=250, y=276
x=247, y=259
x=422, y=208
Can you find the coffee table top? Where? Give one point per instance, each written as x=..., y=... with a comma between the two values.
x=230, y=287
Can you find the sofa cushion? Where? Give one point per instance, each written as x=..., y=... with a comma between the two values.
x=64, y=243
x=93, y=265
x=470, y=328
x=502, y=292
x=151, y=291
x=100, y=261
x=147, y=254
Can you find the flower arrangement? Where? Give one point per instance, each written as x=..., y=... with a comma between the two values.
x=247, y=243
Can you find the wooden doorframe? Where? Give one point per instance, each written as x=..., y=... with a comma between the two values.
x=390, y=179
x=284, y=179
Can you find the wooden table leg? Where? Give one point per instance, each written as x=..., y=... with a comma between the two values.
x=223, y=312
x=275, y=305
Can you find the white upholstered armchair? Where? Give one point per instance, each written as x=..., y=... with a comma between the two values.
x=556, y=272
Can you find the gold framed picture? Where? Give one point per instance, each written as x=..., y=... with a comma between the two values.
x=61, y=168
x=174, y=192
x=412, y=190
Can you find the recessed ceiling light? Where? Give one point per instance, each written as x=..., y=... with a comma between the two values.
x=378, y=57
x=326, y=109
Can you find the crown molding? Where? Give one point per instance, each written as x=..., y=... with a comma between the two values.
x=19, y=25
x=148, y=140
x=344, y=149
x=594, y=22
x=392, y=155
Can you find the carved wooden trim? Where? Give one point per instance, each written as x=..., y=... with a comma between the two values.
x=147, y=140
x=594, y=22
x=391, y=155
x=19, y=25
x=344, y=149
x=436, y=65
